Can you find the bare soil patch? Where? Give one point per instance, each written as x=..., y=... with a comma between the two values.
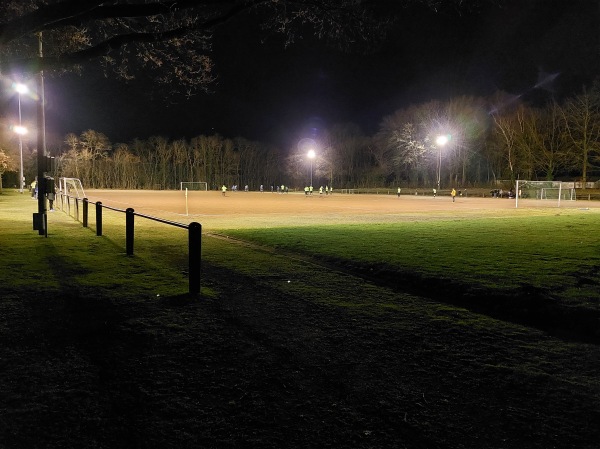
x=241, y=209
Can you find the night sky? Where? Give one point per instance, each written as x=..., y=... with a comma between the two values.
x=278, y=95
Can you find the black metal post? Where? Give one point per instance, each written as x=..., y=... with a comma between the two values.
x=129, y=228
x=195, y=250
x=99, y=218
x=85, y=212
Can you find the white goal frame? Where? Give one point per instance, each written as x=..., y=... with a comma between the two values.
x=194, y=185
x=71, y=187
x=543, y=191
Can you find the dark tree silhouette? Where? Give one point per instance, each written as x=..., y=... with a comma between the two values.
x=171, y=39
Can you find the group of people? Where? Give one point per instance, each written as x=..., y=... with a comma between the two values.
x=280, y=189
x=308, y=190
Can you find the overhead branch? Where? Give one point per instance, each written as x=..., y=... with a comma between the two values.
x=80, y=12
x=114, y=43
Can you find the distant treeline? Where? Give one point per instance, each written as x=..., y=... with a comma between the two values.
x=488, y=139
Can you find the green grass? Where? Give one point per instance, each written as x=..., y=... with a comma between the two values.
x=92, y=355
x=556, y=253
x=551, y=253
x=73, y=260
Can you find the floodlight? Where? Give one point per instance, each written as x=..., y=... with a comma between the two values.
x=20, y=130
x=20, y=88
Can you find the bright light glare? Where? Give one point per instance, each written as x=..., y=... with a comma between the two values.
x=20, y=88
x=21, y=130
x=441, y=140
x=311, y=154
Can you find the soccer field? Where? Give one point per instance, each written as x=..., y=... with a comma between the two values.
x=498, y=247
x=463, y=323
x=255, y=209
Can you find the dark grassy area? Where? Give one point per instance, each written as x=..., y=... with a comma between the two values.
x=100, y=350
x=539, y=270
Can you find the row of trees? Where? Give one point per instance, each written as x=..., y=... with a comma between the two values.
x=170, y=43
x=159, y=163
x=490, y=139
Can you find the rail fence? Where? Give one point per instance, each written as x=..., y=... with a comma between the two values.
x=71, y=206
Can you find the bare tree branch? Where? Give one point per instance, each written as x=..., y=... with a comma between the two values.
x=171, y=38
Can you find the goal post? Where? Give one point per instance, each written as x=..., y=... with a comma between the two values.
x=71, y=187
x=542, y=193
x=194, y=185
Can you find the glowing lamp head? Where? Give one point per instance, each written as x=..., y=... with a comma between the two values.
x=441, y=140
x=20, y=130
x=311, y=154
x=20, y=88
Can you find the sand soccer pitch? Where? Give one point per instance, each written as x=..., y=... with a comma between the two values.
x=266, y=209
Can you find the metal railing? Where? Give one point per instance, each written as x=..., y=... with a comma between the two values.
x=194, y=232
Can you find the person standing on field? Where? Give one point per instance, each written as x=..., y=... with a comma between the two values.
x=453, y=193
x=224, y=189
x=33, y=188
x=50, y=192
x=434, y=192
x=399, y=189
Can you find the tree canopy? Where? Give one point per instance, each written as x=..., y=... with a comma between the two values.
x=170, y=38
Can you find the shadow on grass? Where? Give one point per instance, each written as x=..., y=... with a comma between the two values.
x=526, y=305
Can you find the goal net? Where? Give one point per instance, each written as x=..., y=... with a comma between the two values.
x=71, y=187
x=194, y=185
x=543, y=193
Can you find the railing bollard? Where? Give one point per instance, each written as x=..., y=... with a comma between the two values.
x=98, y=218
x=129, y=224
x=194, y=237
x=195, y=251
x=85, y=212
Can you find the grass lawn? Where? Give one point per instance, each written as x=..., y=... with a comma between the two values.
x=346, y=336
x=552, y=253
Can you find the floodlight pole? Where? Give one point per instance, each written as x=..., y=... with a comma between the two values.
x=311, y=155
x=440, y=141
x=20, y=146
x=439, y=170
x=41, y=150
